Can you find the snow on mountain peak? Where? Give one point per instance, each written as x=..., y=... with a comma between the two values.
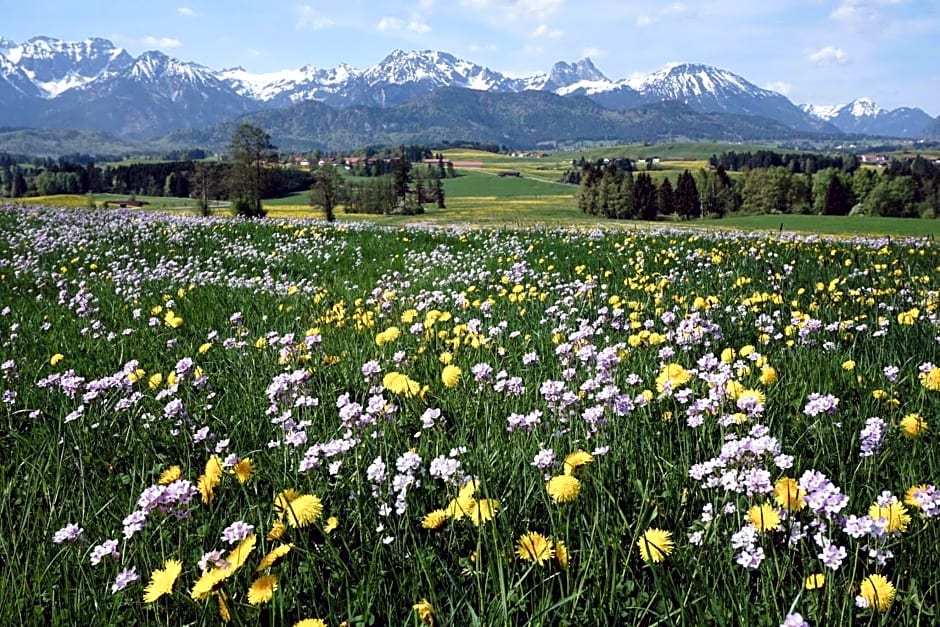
x=864, y=107
x=825, y=112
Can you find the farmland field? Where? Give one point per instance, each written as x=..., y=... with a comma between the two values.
x=210, y=420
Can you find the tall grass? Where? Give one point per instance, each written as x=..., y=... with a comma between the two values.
x=695, y=371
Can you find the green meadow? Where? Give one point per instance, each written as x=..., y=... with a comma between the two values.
x=211, y=421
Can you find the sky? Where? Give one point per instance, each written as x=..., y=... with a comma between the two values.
x=813, y=51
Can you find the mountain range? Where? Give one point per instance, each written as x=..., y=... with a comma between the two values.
x=96, y=86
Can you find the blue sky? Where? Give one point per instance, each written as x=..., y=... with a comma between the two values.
x=816, y=51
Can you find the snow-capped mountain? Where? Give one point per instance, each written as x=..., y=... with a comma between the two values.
x=286, y=86
x=95, y=85
x=710, y=89
x=55, y=66
x=153, y=96
x=863, y=116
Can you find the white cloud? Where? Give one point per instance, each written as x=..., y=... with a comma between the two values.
x=828, y=54
x=515, y=9
x=670, y=11
x=417, y=26
x=389, y=24
x=308, y=17
x=861, y=13
x=162, y=42
x=780, y=87
x=186, y=12
x=593, y=53
x=544, y=30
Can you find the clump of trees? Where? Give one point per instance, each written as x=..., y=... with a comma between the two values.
x=792, y=184
x=381, y=186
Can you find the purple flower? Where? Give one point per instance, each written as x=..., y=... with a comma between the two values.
x=750, y=557
x=124, y=579
x=794, y=620
x=237, y=531
x=544, y=459
x=106, y=548
x=821, y=404
x=69, y=533
x=871, y=437
x=832, y=556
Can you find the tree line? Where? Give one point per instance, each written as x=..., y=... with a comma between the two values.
x=903, y=189
x=395, y=187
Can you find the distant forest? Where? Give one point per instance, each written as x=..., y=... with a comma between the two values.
x=765, y=182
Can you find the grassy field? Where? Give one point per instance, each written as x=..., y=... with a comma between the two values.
x=269, y=422
x=832, y=225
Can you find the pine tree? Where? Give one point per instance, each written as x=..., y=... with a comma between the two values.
x=687, y=200
x=667, y=198
x=644, y=196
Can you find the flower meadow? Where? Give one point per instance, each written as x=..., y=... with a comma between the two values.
x=284, y=422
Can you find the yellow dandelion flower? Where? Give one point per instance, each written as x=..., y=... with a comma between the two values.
x=398, y=383
x=387, y=336
x=733, y=389
x=913, y=426
x=162, y=580
x=262, y=589
x=764, y=517
x=815, y=581
x=895, y=513
x=877, y=591
x=788, y=494
x=243, y=470
x=434, y=520
x=171, y=378
x=206, y=487
x=208, y=582
x=310, y=622
x=224, y=613
x=909, y=495
x=728, y=355
x=768, y=375
x=931, y=379
x=303, y=510
x=468, y=489
x=655, y=544
x=575, y=461
x=213, y=468
x=425, y=611
x=908, y=318
x=55, y=359
x=563, y=488
x=450, y=376
x=277, y=530
x=673, y=374
x=446, y=358
x=136, y=375
x=460, y=507
x=561, y=554
x=237, y=556
x=169, y=475
x=273, y=556
x=848, y=364
x=172, y=320
x=483, y=510
x=155, y=380
x=204, y=348
x=534, y=547
x=331, y=524
x=749, y=394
